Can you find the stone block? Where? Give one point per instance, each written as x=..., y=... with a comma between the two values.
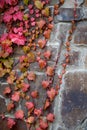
x=67, y=14
x=80, y=34
x=74, y=101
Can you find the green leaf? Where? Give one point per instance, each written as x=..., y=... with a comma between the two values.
x=38, y=4
x=26, y=2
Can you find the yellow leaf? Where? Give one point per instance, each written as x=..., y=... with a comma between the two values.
x=38, y=4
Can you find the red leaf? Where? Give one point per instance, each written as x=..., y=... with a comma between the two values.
x=50, y=71
x=34, y=94
x=42, y=64
x=7, y=90
x=51, y=94
x=10, y=106
x=11, y=2
x=47, y=54
x=31, y=76
x=25, y=87
x=41, y=43
x=29, y=105
x=50, y=117
x=45, y=84
x=38, y=128
x=10, y=123
x=2, y=2
x=16, y=96
x=41, y=23
x=7, y=17
x=18, y=16
x=19, y=114
x=43, y=124
x=17, y=39
x=37, y=112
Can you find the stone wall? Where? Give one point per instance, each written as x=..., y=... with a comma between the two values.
x=70, y=106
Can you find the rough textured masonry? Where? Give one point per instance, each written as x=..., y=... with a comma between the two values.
x=70, y=106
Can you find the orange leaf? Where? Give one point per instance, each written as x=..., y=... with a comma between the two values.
x=51, y=94
x=41, y=43
x=47, y=33
x=30, y=120
x=47, y=104
x=10, y=106
x=45, y=84
x=42, y=64
x=50, y=71
x=34, y=94
x=41, y=23
x=7, y=90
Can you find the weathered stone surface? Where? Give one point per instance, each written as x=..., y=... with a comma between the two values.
x=20, y=125
x=74, y=58
x=52, y=2
x=67, y=14
x=80, y=35
x=2, y=106
x=70, y=3
x=74, y=106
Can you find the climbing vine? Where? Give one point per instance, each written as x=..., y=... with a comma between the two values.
x=29, y=25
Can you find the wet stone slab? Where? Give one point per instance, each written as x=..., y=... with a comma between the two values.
x=74, y=104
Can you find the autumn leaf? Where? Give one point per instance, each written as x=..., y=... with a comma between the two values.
x=38, y=128
x=41, y=43
x=29, y=105
x=2, y=3
x=30, y=120
x=46, y=12
x=25, y=87
x=17, y=39
x=42, y=64
x=47, y=54
x=10, y=106
x=51, y=94
x=31, y=57
x=47, y=33
x=37, y=112
x=38, y=4
x=10, y=123
x=50, y=71
x=19, y=114
x=34, y=94
x=43, y=124
x=50, y=26
x=31, y=76
x=50, y=117
x=47, y=104
x=26, y=2
x=45, y=84
x=7, y=90
x=15, y=96
x=41, y=23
